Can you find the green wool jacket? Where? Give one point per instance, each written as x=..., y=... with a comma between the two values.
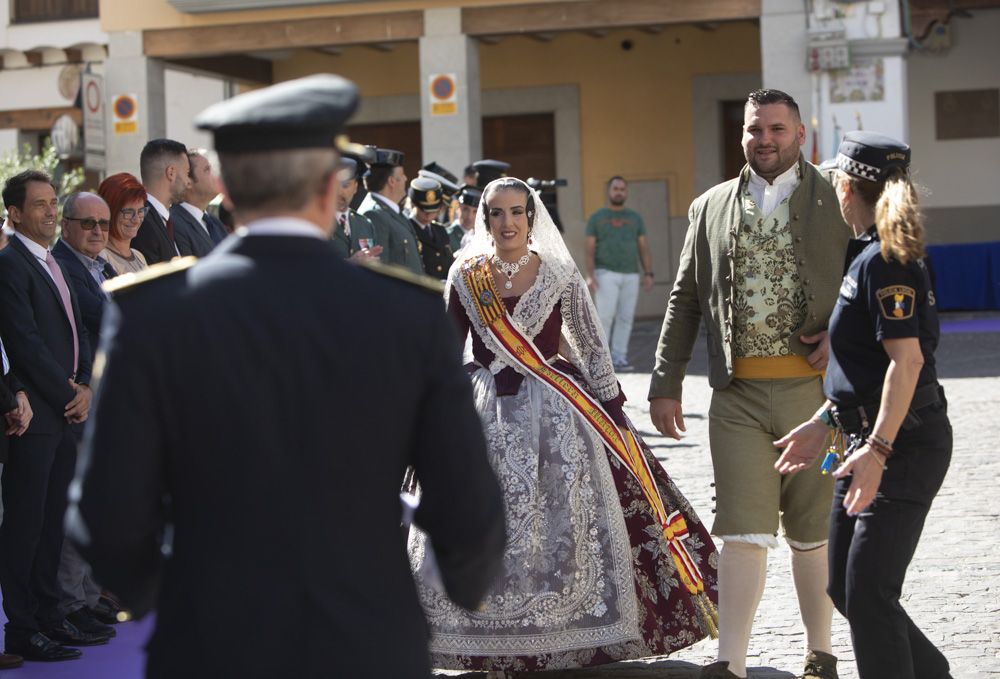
x=394, y=233
x=703, y=288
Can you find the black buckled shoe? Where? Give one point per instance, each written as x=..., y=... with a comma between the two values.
x=68, y=634
x=87, y=622
x=40, y=648
x=717, y=670
x=820, y=665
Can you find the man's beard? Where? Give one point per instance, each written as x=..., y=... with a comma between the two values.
x=617, y=202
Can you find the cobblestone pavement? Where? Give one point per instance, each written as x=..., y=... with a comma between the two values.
x=953, y=585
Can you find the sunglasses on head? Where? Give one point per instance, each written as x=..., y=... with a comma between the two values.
x=88, y=223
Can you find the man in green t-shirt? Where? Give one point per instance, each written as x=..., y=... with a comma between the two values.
x=616, y=242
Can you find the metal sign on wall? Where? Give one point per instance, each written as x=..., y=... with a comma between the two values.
x=125, y=108
x=443, y=90
x=92, y=99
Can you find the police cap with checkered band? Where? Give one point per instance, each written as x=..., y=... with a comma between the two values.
x=870, y=155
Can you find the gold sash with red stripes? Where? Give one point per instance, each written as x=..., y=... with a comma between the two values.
x=491, y=310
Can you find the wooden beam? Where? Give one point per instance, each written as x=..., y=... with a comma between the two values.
x=199, y=41
x=591, y=14
x=234, y=66
x=36, y=119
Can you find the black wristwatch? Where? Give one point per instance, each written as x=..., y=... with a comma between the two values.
x=648, y=273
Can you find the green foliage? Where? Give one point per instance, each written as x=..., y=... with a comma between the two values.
x=14, y=162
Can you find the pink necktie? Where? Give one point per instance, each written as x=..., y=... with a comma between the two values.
x=60, y=281
x=345, y=225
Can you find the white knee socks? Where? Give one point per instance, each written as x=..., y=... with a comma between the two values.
x=809, y=571
x=742, y=569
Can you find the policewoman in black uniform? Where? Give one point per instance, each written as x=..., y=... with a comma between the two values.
x=883, y=394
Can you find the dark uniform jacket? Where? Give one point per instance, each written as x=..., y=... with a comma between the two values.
x=152, y=239
x=245, y=406
x=394, y=233
x=89, y=294
x=190, y=236
x=703, y=289
x=435, y=249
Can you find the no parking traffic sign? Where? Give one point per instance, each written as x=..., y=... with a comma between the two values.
x=443, y=89
x=125, y=107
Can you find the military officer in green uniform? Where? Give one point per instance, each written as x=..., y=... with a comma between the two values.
x=435, y=246
x=386, y=184
x=460, y=230
x=353, y=234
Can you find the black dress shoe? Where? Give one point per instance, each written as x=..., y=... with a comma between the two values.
x=86, y=622
x=10, y=661
x=69, y=634
x=40, y=648
x=110, y=611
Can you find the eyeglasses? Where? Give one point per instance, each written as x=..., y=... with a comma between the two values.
x=88, y=223
x=131, y=213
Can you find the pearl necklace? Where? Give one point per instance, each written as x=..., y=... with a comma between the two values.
x=510, y=269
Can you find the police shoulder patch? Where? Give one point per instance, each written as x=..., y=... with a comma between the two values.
x=896, y=302
x=130, y=281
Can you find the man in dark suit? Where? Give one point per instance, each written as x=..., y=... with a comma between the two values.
x=262, y=451
x=193, y=226
x=85, y=224
x=46, y=339
x=17, y=416
x=166, y=174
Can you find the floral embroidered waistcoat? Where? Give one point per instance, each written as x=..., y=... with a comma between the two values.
x=768, y=300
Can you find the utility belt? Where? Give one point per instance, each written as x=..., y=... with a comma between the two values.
x=861, y=419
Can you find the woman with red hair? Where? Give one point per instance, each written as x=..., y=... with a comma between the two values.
x=126, y=198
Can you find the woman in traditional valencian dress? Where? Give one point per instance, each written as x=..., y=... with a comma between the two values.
x=605, y=559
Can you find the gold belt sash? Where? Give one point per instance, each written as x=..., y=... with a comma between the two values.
x=773, y=367
x=492, y=312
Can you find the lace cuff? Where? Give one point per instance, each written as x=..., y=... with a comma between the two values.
x=583, y=333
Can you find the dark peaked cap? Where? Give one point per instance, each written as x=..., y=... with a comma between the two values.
x=870, y=155
x=386, y=157
x=488, y=170
x=298, y=114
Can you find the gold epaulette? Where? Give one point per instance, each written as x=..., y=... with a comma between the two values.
x=405, y=275
x=127, y=281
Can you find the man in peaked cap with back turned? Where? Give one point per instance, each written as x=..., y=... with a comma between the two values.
x=276, y=494
x=386, y=184
x=488, y=170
